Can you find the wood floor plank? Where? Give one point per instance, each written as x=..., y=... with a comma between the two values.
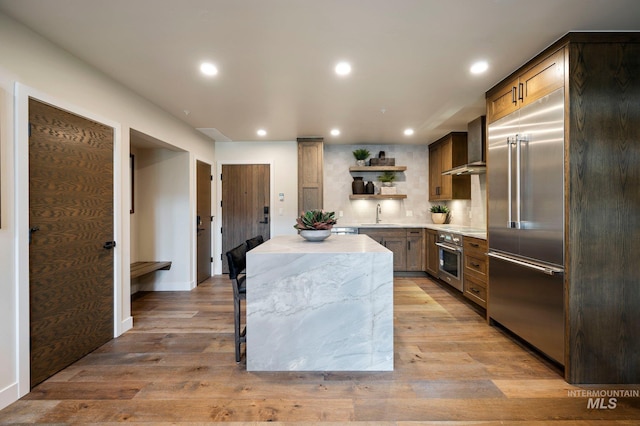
x=177, y=366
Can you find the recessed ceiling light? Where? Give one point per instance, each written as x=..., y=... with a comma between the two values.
x=343, y=68
x=479, y=67
x=335, y=132
x=207, y=68
x=261, y=132
x=408, y=132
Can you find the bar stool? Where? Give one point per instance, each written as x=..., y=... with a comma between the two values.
x=254, y=242
x=237, y=258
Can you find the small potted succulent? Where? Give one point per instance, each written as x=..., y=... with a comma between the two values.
x=439, y=213
x=315, y=225
x=361, y=155
x=387, y=178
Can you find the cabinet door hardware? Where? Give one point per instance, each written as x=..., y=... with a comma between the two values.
x=521, y=91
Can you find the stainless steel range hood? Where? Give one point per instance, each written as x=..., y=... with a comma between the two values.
x=476, y=142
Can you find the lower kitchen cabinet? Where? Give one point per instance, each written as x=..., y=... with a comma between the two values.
x=395, y=239
x=475, y=270
x=405, y=243
x=431, y=252
x=415, y=243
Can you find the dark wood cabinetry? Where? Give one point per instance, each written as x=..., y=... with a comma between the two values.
x=415, y=244
x=395, y=240
x=431, y=252
x=531, y=83
x=444, y=154
x=475, y=270
x=405, y=243
x=310, y=180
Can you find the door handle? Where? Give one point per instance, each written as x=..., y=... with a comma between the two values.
x=109, y=245
x=32, y=230
x=265, y=211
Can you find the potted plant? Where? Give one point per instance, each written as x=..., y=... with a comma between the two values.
x=439, y=213
x=361, y=155
x=315, y=225
x=387, y=178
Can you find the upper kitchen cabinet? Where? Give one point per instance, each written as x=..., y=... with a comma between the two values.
x=527, y=85
x=310, y=181
x=444, y=154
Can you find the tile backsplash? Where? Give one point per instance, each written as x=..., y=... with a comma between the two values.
x=414, y=182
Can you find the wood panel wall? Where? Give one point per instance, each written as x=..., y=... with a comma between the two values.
x=603, y=244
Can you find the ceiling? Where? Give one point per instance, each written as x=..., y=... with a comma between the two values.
x=410, y=58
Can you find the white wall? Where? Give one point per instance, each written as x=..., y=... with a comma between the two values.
x=163, y=218
x=8, y=292
x=65, y=81
x=414, y=182
x=283, y=158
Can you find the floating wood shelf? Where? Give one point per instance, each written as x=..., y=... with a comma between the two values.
x=377, y=196
x=139, y=269
x=377, y=168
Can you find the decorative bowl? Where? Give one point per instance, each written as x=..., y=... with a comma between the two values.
x=315, y=235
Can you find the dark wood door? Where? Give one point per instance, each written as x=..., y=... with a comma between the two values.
x=203, y=220
x=246, y=211
x=71, y=220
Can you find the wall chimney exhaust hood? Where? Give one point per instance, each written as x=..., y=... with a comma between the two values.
x=476, y=142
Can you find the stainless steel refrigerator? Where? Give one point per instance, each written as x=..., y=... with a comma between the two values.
x=525, y=163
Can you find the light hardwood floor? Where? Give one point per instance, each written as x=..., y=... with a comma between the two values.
x=177, y=365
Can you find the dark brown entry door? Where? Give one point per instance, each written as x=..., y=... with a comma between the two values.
x=245, y=205
x=203, y=220
x=71, y=230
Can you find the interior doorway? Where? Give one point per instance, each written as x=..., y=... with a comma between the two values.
x=203, y=221
x=71, y=259
x=246, y=209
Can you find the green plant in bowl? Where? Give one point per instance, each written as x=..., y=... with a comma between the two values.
x=439, y=209
x=361, y=154
x=315, y=220
x=387, y=177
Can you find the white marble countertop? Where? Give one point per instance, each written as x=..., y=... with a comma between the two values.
x=333, y=244
x=459, y=229
x=320, y=306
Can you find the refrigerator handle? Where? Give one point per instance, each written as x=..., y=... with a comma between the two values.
x=518, y=181
x=549, y=270
x=510, y=222
x=519, y=140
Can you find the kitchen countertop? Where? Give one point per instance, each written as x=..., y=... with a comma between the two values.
x=467, y=231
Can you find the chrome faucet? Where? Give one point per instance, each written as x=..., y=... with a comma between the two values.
x=378, y=212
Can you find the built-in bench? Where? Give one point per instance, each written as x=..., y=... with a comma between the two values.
x=139, y=269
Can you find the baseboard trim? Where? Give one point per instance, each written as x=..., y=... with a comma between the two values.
x=9, y=395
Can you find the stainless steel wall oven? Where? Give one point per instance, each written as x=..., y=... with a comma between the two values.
x=450, y=255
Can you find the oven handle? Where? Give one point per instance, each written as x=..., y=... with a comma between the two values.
x=449, y=247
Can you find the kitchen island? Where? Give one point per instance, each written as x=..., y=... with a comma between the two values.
x=320, y=306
